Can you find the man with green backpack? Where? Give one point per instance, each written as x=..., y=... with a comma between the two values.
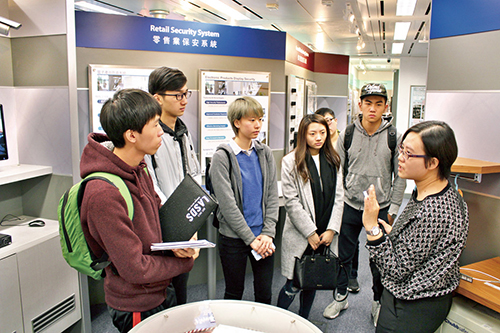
x=137, y=279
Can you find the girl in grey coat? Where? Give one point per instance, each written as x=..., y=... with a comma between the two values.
x=311, y=181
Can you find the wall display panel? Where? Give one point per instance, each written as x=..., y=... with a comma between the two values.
x=106, y=80
x=417, y=105
x=218, y=89
x=295, y=93
x=473, y=116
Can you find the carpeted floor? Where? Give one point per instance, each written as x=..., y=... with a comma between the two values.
x=355, y=319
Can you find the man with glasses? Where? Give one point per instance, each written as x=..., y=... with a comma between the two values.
x=370, y=161
x=176, y=156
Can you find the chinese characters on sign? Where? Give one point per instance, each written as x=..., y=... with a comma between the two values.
x=197, y=38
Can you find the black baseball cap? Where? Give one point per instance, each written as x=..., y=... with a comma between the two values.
x=373, y=89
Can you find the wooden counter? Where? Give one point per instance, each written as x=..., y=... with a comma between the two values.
x=477, y=290
x=468, y=165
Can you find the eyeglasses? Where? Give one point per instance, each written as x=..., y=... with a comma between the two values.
x=407, y=155
x=329, y=119
x=179, y=97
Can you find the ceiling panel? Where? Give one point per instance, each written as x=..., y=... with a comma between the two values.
x=323, y=28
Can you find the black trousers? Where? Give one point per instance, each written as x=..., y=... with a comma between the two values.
x=234, y=254
x=123, y=321
x=352, y=224
x=180, y=285
x=419, y=316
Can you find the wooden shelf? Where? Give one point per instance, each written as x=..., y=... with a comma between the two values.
x=477, y=290
x=468, y=165
x=15, y=173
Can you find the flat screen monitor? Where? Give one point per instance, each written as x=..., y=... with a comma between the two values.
x=3, y=138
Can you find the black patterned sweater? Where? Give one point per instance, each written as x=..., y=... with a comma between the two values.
x=419, y=258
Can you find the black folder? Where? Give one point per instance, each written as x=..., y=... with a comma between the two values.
x=185, y=211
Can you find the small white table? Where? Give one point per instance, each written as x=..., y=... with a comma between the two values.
x=241, y=314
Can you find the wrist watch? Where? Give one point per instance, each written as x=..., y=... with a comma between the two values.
x=375, y=231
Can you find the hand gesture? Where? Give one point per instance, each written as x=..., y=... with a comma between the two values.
x=370, y=213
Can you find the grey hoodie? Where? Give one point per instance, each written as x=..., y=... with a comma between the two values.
x=370, y=163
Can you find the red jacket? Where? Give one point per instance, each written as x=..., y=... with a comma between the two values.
x=143, y=276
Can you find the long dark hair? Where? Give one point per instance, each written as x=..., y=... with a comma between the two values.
x=302, y=149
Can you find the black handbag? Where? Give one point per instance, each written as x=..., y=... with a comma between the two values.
x=317, y=271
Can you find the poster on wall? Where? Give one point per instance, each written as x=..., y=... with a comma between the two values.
x=105, y=80
x=311, y=99
x=218, y=89
x=417, y=105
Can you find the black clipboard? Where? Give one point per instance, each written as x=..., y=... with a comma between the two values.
x=185, y=211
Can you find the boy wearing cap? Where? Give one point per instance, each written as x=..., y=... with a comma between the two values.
x=369, y=162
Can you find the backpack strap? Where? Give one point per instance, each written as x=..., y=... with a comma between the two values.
x=392, y=141
x=112, y=179
x=117, y=181
x=349, y=133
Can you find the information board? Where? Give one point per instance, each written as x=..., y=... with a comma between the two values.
x=217, y=90
x=105, y=80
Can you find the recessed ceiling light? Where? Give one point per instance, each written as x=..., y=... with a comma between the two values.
x=397, y=48
x=223, y=8
x=405, y=7
x=86, y=6
x=401, y=30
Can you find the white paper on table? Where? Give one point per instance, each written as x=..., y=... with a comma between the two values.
x=200, y=244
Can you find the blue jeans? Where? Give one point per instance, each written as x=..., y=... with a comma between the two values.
x=288, y=293
x=352, y=224
x=233, y=255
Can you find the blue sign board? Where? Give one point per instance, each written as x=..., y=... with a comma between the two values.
x=462, y=17
x=95, y=30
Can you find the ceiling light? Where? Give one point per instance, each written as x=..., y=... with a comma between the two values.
x=7, y=24
x=223, y=8
x=361, y=44
x=405, y=7
x=351, y=18
x=272, y=6
x=159, y=13
x=401, y=30
x=4, y=29
x=397, y=48
x=90, y=7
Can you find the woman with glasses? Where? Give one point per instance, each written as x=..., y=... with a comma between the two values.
x=329, y=116
x=314, y=200
x=176, y=156
x=418, y=256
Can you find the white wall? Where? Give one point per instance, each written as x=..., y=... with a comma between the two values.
x=412, y=72
x=38, y=18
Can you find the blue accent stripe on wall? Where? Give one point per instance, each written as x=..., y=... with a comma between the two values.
x=95, y=30
x=462, y=17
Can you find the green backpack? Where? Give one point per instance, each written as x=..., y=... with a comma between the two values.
x=73, y=244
